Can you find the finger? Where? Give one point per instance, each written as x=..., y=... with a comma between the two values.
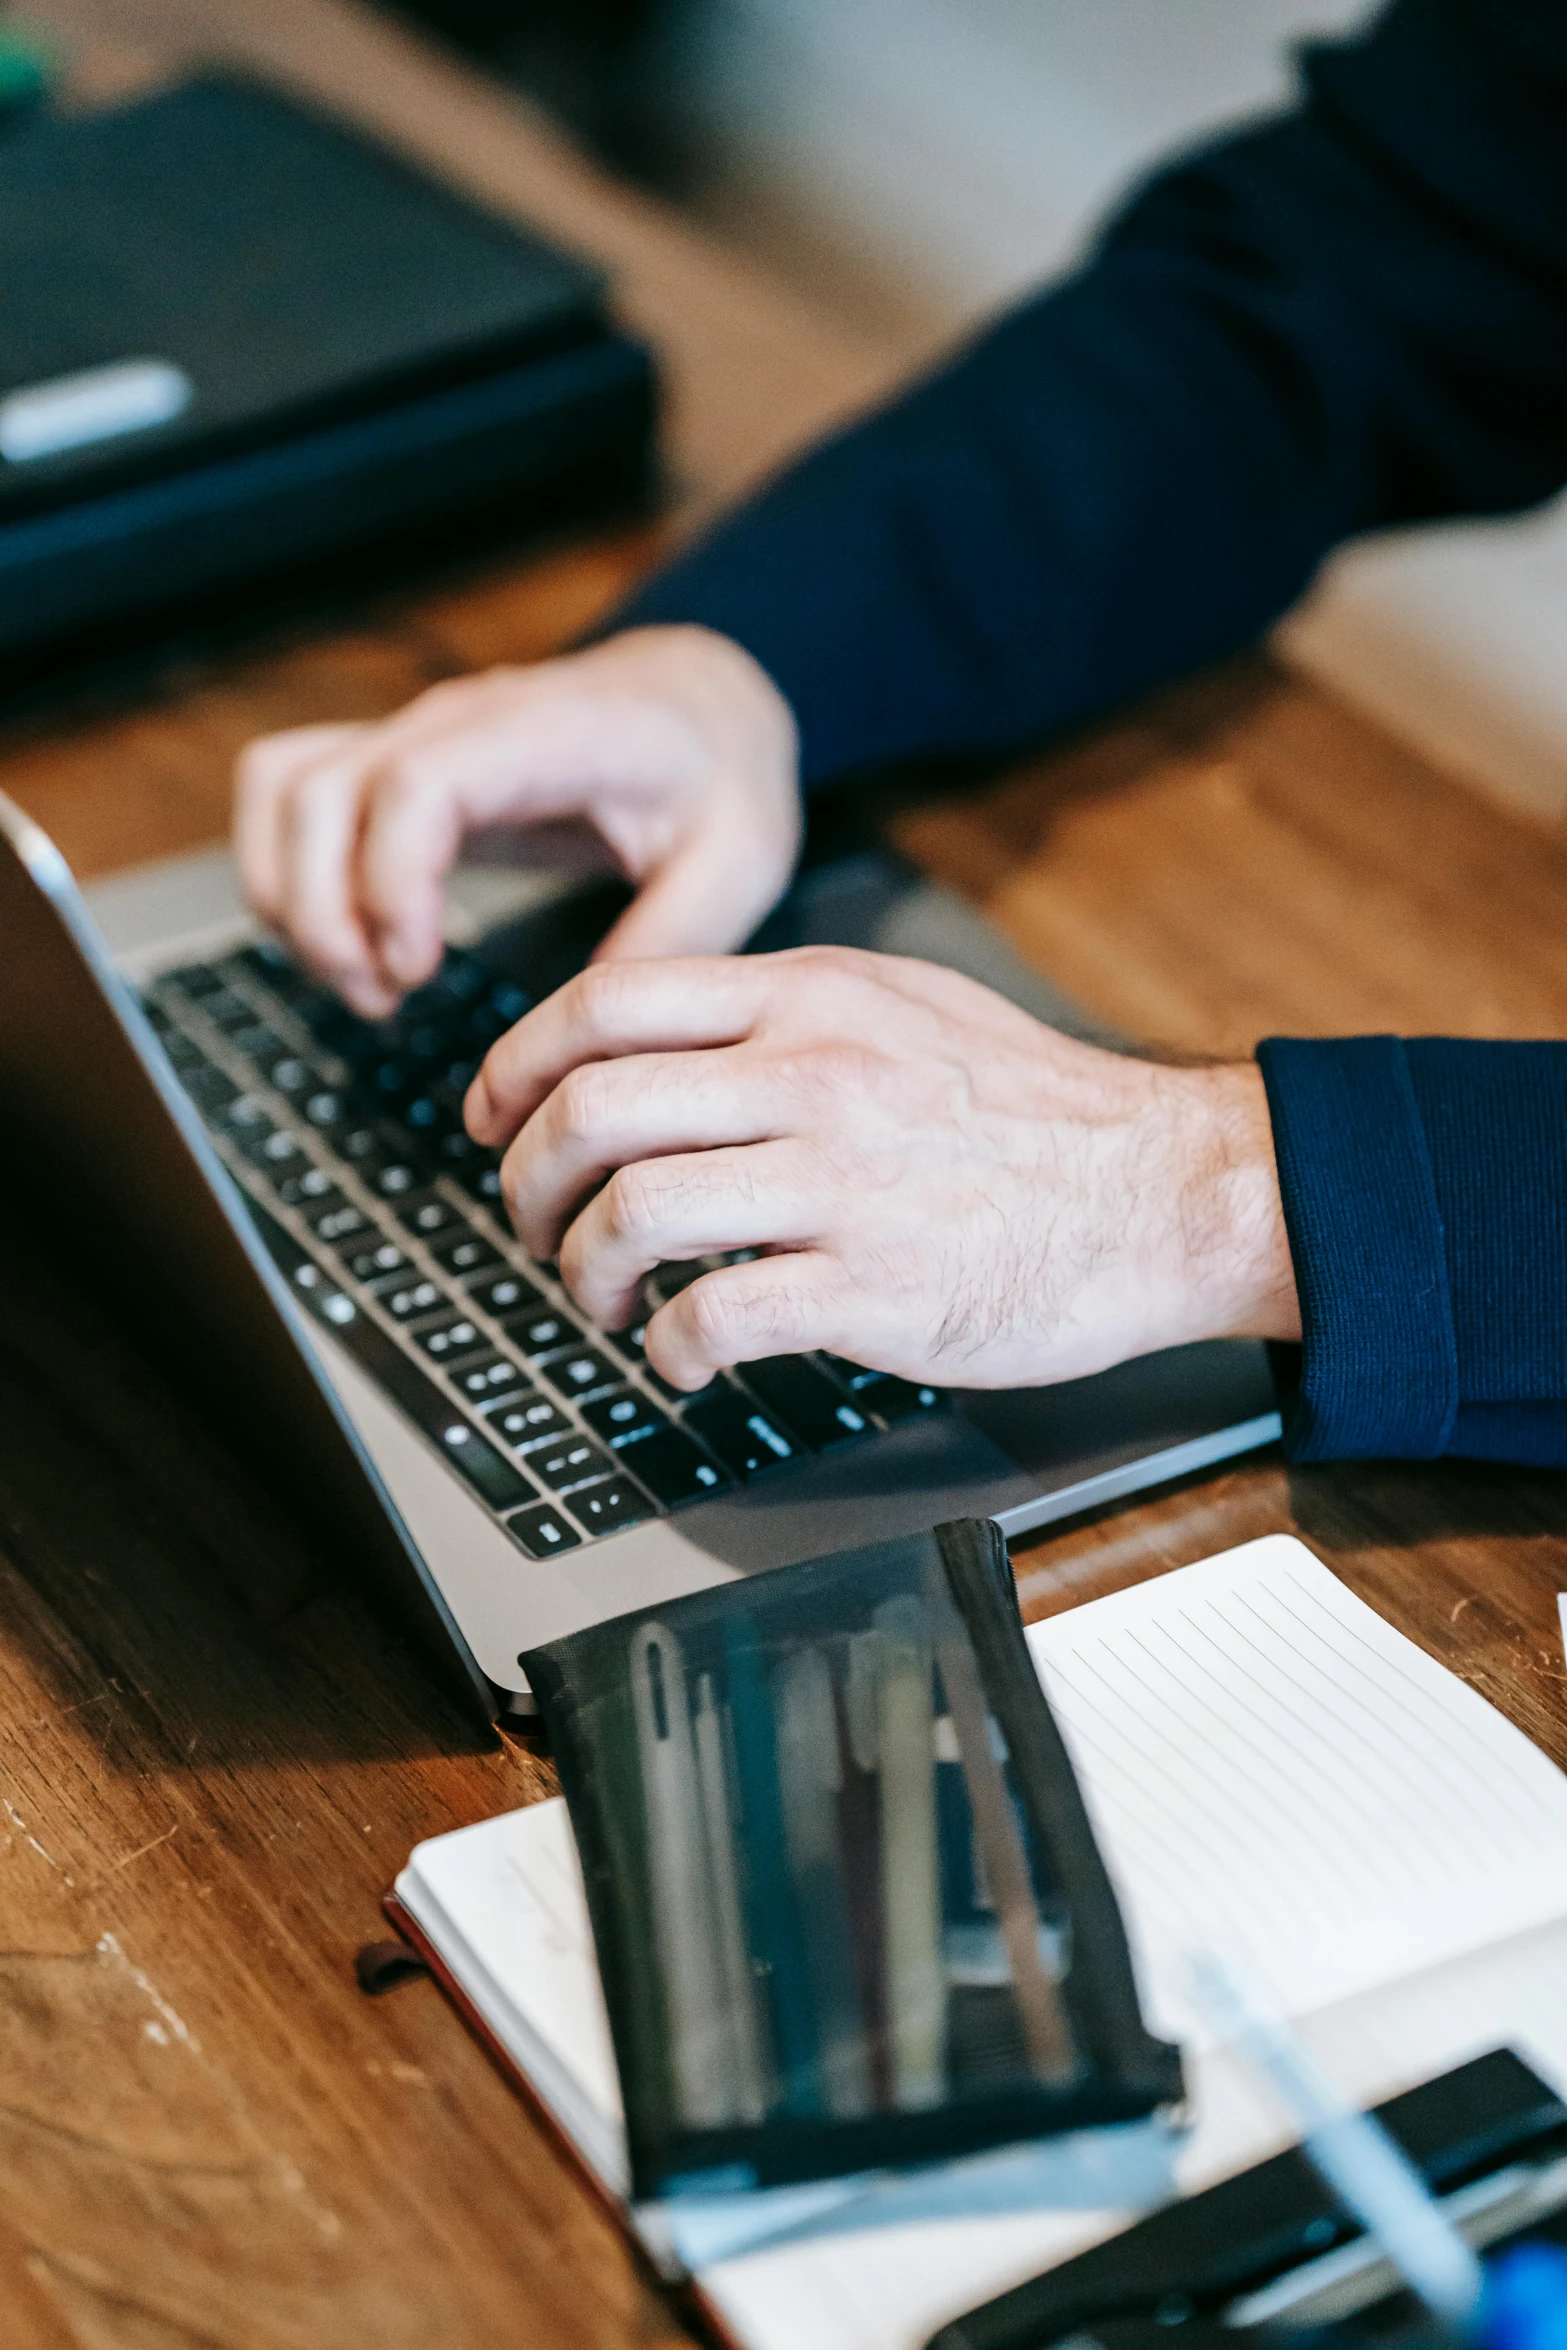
x=266, y=770
x=693, y=1204
x=425, y=795
x=482, y=759
x=323, y=812
x=787, y=1304
x=413, y=830
x=609, y=1114
x=707, y=899
x=606, y=1012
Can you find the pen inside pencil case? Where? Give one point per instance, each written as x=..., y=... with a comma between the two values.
x=846, y=1900
x=840, y=1871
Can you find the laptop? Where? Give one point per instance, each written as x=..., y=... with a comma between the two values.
x=242, y=347
x=284, y=1200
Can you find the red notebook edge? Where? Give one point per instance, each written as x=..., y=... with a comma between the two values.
x=688, y=2300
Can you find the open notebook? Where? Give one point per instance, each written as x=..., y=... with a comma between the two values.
x=1272, y=1771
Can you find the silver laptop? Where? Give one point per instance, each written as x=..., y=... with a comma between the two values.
x=285, y=1201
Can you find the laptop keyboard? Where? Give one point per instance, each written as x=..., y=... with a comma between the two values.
x=386, y=1221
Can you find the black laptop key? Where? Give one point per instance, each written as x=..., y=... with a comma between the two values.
x=746, y=1439
x=209, y=1088
x=527, y=1419
x=275, y=969
x=335, y=1220
x=325, y=1108
x=893, y=1400
x=285, y=1251
x=363, y=1146
x=810, y=1403
x=229, y=1010
x=425, y=1116
x=581, y=1372
x=311, y=1186
x=247, y=1118
x=570, y=1460
x=278, y=1154
x=321, y=1294
x=197, y=979
x=257, y=1041
x=507, y=1294
x=465, y=1253
x=632, y=1344
x=182, y=1050
x=497, y=1481
x=371, y=1347
x=427, y=1215
x=286, y=1073
x=604, y=1509
x=396, y=1180
x=370, y=1258
x=452, y=1340
x=481, y=1179
x=490, y=1376
x=540, y=1333
x=408, y=1301
x=542, y=1531
x=673, y=1469
x=622, y=1415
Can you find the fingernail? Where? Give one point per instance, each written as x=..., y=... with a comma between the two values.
x=476, y=1109
x=365, y=998
x=408, y=959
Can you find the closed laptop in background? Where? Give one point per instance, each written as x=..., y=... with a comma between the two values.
x=239, y=345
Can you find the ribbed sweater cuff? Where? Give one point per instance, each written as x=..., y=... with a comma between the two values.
x=1379, y=1360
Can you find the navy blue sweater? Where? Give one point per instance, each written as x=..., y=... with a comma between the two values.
x=1352, y=316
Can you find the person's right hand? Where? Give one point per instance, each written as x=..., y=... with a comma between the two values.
x=671, y=742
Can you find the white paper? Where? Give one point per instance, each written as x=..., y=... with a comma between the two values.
x=1271, y=1769
x=1274, y=1771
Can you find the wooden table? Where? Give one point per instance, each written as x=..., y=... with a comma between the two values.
x=212, y=1758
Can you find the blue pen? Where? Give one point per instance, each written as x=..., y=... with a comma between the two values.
x=1368, y=2172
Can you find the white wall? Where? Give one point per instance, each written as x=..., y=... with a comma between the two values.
x=966, y=144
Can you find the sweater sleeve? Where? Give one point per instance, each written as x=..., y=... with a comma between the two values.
x=1352, y=316
x=1423, y=1186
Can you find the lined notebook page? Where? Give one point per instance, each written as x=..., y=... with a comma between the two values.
x=1274, y=1771
x=504, y=1904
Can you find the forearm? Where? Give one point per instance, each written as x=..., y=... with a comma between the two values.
x=1311, y=330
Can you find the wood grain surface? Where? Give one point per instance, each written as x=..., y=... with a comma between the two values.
x=213, y=1755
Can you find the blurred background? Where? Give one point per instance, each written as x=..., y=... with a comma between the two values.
x=917, y=162
x=906, y=166
x=921, y=160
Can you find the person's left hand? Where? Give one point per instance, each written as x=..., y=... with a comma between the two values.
x=942, y=1187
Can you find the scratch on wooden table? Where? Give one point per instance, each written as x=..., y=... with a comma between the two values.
x=21, y=1828
x=126, y=1859
x=109, y=1946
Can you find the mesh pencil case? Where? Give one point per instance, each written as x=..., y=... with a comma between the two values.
x=847, y=1903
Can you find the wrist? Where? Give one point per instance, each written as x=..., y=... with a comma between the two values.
x=1239, y=1276
x=725, y=684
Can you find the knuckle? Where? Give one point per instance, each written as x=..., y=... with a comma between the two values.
x=735, y=1313
x=261, y=760
x=708, y=1310
x=581, y=1105
x=633, y=1206
x=447, y=696
x=832, y=966
x=603, y=992
x=403, y=777
x=838, y=1067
